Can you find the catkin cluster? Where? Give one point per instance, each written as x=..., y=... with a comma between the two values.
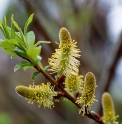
x=64, y=62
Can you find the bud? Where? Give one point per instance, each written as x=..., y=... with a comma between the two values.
x=65, y=38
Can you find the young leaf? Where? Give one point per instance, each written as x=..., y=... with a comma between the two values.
x=2, y=28
x=34, y=75
x=46, y=67
x=12, y=29
x=14, y=56
x=41, y=42
x=33, y=53
x=7, y=46
x=30, y=38
x=27, y=67
x=28, y=23
x=40, y=65
x=20, y=53
x=6, y=30
x=22, y=64
x=19, y=29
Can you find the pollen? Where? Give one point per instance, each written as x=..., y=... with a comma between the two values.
x=42, y=94
x=88, y=95
x=64, y=61
x=108, y=109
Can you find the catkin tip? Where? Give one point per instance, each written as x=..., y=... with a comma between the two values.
x=64, y=35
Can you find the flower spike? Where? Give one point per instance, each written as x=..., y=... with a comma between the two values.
x=108, y=109
x=87, y=98
x=42, y=94
x=64, y=61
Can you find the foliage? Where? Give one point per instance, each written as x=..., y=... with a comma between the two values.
x=64, y=63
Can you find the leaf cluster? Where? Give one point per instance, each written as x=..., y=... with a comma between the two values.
x=19, y=43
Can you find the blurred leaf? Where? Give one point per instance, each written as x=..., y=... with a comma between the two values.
x=14, y=56
x=31, y=38
x=2, y=28
x=5, y=118
x=22, y=64
x=5, y=28
x=40, y=65
x=19, y=29
x=20, y=53
x=33, y=54
x=12, y=29
x=40, y=42
x=38, y=59
x=34, y=75
x=7, y=46
x=27, y=67
x=46, y=67
x=28, y=23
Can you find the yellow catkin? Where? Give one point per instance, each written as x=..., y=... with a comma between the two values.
x=74, y=84
x=64, y=61
x=42, y=94
x=88, y=95
x=108, y=109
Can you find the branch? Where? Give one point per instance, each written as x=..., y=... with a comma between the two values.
x=68, y=96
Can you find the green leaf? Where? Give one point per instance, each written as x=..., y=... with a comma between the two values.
x=27, y=67
x=41, y=42
x=40, y=65
x=1, y=26
x=34, y=75
x=46, y=67
x=22, y=64
x=7, y=46
x=14, y=56
x=12, y=28
x=38, y=59
x=20, y=53
x=15, y=24
x=14, y=42
x=28, y=23
x=33, y=54
x=6, y=30
x=19, y=29
x=31, y=38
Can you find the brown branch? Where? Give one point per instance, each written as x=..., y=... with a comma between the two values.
x=68, y=96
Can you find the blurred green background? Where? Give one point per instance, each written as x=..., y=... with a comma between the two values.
x=94, y=25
